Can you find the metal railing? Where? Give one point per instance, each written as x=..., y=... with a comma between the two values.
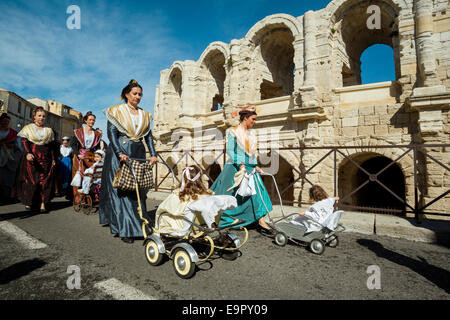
x=417, y=152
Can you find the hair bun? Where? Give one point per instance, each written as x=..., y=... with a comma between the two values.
x=132, y=81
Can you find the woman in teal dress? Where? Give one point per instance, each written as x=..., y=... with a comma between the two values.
x=242, y=147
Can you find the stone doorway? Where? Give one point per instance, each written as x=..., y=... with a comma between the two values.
x=372, y=195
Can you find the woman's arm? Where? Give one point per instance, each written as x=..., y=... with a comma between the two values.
x=113, y=136
x=150, y=144
x=238, y=159
x=26, y=146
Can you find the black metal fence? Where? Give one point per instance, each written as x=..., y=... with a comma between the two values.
x=421, y=158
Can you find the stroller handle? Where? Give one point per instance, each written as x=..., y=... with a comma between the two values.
x=279, y=196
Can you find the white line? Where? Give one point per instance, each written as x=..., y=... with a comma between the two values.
x=121, y=291
x=21, y=236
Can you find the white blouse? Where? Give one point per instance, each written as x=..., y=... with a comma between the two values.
x=137, y=120
x=65, y=151
x=39, y=132
x=88, y=139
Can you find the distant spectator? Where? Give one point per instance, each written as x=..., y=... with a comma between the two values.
x=10, y=152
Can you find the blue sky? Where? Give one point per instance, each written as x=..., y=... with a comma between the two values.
x=121, y=40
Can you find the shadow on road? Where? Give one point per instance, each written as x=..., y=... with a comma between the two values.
x=440, y=277
x=20, y=269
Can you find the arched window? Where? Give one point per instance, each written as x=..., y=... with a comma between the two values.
x=377, y=64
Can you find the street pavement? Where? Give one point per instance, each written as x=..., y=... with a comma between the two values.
x=403, y=269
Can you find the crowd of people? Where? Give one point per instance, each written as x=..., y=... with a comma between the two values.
x=35, y=166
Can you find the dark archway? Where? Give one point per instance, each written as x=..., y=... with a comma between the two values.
x=372, y=195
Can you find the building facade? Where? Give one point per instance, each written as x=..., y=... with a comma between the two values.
x=61, y=118
x=316, y=119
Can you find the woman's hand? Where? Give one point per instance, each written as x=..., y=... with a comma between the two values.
x=301, y=213
x=153, y=160
x=259, y=169
x=80, y=156
x=30, y=157
x=123, y=157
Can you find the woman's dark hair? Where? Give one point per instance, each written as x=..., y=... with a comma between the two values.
x=246, y=114
x=132, y=84
x=87, y=115
x=316, y=193
x=38, y=109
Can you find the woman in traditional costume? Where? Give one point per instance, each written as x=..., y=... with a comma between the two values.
x=37, y=174
x=84, y=143
x=242, y=147
x=10, y=152
x=128, y=128
x=65, y=165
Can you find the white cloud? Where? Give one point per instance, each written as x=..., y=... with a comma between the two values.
x=85, y=68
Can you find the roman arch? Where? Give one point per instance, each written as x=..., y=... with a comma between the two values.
x=302, y=72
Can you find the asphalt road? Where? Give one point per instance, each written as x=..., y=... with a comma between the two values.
x=407, y=270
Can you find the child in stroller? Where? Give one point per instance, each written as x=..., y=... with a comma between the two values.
x=316, y=227
x=318, y=213
x=174, y=213
x=186, y=226
x=92, y=175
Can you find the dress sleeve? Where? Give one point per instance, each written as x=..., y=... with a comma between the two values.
x=75, y=144
x=26, y=145
x=237, y=158
x=113, y=136
x=150, y=144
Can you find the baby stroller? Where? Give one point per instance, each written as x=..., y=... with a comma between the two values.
x=88, y=203
x=322, y=235
x=197, y=239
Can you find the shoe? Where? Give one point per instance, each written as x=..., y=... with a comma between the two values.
x=127, y=240
x=269, y=232
x=28, y=208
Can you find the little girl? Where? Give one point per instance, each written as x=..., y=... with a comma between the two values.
x=172, y=212
x=319, y=211
x=86, y=183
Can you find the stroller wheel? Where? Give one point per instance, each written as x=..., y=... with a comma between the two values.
x=281, y=239
x=317, y=246
x=334, y=242
x=154, y=257
x=183, y=265
x=233, y=242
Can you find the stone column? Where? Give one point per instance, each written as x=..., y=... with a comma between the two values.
x=310, y=30
x=424, y=42
x=308, y=92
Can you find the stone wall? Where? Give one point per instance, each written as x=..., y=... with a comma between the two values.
x=303, y=76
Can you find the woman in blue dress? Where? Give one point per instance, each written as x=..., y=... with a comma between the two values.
x=65, y=165
x=242, y=147
x=128, y=128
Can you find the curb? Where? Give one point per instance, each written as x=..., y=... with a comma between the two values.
x=428, y=231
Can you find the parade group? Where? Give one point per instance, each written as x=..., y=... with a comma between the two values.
x=35, y=167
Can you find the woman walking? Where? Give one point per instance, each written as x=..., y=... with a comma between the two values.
x=85, y=142
x=242, y=146
x=128, y=128
x=37, y=174
x=10, y=152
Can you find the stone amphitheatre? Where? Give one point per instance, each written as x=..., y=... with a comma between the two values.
x=382, y=147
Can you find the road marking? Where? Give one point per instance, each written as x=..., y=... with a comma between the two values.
x=121, y=291
x=21, y=236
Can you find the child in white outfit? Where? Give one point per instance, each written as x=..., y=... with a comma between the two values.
x=319, y=211
x=86, y=183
